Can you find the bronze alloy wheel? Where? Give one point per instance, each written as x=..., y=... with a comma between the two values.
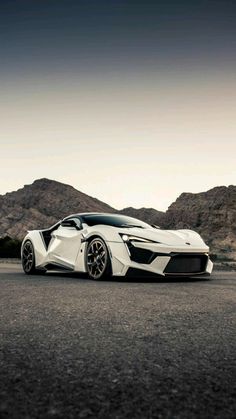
x=97, y=259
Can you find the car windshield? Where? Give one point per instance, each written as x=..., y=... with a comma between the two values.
x=113, y=220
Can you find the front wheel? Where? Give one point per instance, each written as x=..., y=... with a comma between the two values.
x=97, y=259
x=28, y=258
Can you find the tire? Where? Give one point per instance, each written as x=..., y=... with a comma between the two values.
x=28, y=259
x=98, y=262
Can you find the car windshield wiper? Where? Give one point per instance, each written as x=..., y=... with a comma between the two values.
x=130, y=226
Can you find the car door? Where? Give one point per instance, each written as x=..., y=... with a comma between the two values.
x=65, y=244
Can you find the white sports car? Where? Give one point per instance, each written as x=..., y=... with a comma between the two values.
x=114, y=245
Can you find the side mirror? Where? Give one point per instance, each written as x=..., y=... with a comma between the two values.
x=70, y=223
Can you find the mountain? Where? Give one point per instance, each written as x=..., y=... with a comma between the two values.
x=212, y=214
x=44, y=202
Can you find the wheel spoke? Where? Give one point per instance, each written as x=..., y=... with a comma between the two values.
x=99, y=269
x=92, y=263
x=93, y=268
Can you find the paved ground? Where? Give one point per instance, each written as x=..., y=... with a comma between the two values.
x=73, y=348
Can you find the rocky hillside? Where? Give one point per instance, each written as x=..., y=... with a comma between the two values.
x=42, y=204
x=149, y=215
x=211, y=213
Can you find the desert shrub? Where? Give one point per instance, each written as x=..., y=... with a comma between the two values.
x=10, y=248
x=214, y=257
x=222, y=257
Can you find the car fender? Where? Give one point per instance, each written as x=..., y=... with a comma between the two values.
x=107, y=233
x=39, y=248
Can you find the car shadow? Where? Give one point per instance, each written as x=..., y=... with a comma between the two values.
x=135, y=279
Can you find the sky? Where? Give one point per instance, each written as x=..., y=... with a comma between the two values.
x=132, y=102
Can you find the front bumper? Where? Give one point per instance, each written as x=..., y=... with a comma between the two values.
x=160, y=260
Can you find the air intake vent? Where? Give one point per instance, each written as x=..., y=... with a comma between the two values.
x=186, y=264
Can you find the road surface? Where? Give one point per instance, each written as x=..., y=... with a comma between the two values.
x=74, y=348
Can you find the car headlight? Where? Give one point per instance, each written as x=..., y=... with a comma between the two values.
x=129, y=239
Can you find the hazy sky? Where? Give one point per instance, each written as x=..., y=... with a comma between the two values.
x=132, y=102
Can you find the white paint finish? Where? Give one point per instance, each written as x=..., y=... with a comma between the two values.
x=68, y=248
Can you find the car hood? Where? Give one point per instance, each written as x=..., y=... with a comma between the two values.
x=167, y=237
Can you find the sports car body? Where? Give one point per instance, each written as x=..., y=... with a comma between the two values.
x=115, y=245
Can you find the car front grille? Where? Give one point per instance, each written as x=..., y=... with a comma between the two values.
x=186, y=264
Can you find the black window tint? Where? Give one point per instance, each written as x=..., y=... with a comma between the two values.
x=113, y=220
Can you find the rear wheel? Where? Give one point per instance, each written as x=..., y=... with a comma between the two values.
x=97, y=259
x=28, y=259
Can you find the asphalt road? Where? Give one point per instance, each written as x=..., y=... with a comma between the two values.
x=74, y=348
